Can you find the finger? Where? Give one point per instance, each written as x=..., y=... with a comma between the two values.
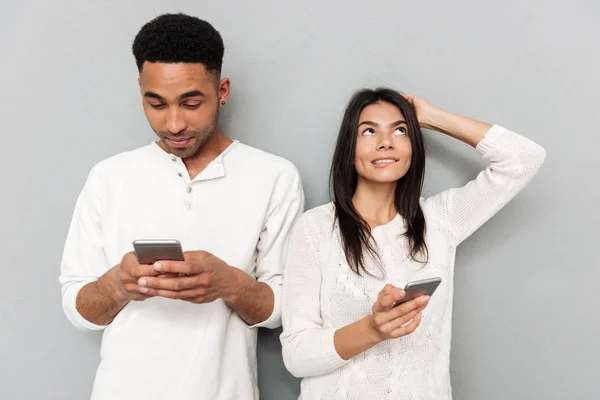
x=396, y=322
x=176, y=295
x=408, y=97
x=386, y=290
x=134, y=261
x=195, y=255
x=409, y=306
x=133, y=291
x=130, y=256
x=178, y=267
x=138, y=270
x=388, y=299
x=139, y=297
x=389, y=327
x=201, y=299
x=173, y=283
x=408, y=329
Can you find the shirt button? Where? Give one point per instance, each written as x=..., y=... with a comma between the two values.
x=188, y=206
x=173, y=159
x=189, y=190
x=180, y=174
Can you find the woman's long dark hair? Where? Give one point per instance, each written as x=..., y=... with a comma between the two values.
x=355, y=232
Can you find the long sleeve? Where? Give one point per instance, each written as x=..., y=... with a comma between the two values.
x=287, y=204
x=514, y=160
x=83, y=259
x=308, y=347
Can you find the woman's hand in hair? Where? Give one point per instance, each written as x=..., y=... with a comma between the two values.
x=459, y=127
x=462, y=128
x=425, y=111
x=391, y=322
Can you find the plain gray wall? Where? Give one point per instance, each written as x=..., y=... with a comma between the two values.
x=526, y=306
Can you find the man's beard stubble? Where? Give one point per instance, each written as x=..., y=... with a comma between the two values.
x=198, y=139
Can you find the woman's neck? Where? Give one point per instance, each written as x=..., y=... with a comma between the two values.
x=374, y=201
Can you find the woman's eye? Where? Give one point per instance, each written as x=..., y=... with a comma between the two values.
x=369, y=132
x=400, y=131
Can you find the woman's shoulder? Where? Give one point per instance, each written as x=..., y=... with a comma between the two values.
x=433, y=208
x=431, y=205
x=320, y=218
x=322, y=212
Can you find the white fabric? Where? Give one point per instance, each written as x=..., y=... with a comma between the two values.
x=321, y=294
x=240, y=208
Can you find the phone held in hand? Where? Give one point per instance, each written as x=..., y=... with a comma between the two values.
x=415, y=289
x=148, y=251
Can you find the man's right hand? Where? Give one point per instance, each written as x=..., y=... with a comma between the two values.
x=128, y=272
x=99, y=302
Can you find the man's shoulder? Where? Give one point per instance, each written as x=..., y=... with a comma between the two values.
x=260, y=161
x=125, y=161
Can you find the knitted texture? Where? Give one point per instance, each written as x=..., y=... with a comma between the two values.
x=322, y=294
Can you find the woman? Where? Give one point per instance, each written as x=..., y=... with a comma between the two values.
x=349, y=259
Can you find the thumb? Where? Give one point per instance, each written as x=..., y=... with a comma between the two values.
x=387, y=298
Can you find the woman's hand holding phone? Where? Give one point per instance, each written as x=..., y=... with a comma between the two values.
x=389, y=322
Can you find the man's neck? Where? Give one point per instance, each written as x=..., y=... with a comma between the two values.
x=211, y=149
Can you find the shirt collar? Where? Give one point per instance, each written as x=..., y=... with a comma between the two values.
x=215, y=169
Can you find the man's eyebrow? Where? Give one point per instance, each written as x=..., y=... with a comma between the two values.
x=191, y=93
x=153, y=95
x=186, y=95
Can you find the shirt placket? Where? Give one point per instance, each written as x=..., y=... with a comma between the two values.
x=182, y=173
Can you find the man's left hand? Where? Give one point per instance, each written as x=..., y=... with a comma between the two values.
x=201, y=278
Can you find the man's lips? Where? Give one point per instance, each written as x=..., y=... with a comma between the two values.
x=179, y=142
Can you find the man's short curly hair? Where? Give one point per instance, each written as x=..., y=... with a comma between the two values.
x=179, y=38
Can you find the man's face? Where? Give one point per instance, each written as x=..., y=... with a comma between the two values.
x=181, y=102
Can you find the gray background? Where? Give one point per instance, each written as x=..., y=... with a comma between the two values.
x=526, y=310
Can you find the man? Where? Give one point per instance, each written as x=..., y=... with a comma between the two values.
x=180, y=330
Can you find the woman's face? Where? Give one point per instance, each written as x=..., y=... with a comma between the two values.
x=383, y=148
